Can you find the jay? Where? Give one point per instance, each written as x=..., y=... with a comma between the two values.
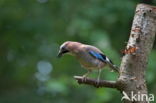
x=89, y=56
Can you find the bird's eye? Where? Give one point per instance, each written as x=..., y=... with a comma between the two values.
x=63, y=48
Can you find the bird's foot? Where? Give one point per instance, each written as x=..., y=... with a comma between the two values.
x=97, y=82
x=84, y=78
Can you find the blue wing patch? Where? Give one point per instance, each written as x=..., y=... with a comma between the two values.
x=98, y=56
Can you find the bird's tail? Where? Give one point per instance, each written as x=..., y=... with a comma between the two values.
x=114, y=67
x=111, y=65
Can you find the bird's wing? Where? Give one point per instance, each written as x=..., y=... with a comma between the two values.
x=103, y=58
x=100, y=56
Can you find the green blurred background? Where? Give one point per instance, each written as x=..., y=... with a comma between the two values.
x=31, y=32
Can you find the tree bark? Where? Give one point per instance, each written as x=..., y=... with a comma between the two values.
x=134, y=62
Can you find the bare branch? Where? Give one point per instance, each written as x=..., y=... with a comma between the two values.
x=95, y=83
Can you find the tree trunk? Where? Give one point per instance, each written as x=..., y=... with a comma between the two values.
x=133, y=65
x=134, y=62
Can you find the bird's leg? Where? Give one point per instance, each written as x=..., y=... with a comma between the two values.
x=99, y=74
x=85, y=75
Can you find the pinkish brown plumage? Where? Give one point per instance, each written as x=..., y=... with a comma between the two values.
x=89, y=56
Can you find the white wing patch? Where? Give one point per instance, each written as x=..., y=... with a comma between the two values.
x=107, y=59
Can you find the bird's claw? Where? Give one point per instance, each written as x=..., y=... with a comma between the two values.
x=97, y=83
x=84, y=79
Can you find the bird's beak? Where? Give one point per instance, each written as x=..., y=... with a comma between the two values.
x=60, y=54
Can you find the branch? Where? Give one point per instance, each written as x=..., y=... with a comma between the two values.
x=101, y=83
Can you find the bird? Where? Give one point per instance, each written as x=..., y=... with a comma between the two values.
x=90, y=57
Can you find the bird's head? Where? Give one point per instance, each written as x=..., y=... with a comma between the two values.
x=64, y=48
x=69, y=47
